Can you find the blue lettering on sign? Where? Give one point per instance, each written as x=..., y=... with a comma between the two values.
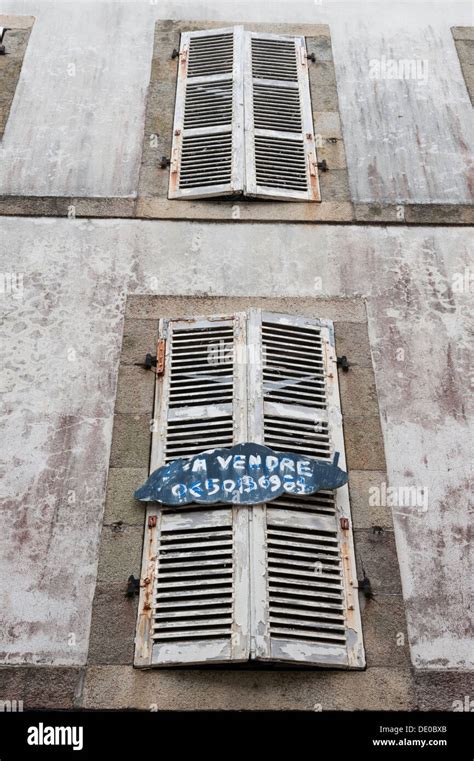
x=246, y=474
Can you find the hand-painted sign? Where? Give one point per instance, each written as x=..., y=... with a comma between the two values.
x=246, y=474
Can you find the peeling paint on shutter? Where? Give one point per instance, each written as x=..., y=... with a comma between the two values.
x=279, y=137
x=208, y=132
x=304, y=588
x=275, y=582
x=194, y=592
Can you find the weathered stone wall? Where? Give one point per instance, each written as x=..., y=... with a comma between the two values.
x=15, y=42
x=405, y=141
x=388, y=679
x=58, y=404
x=464, y=41
x=77, y=141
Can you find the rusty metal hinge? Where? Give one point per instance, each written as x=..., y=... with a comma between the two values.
x=155, y=360
x=160, y=356
x=344, y=524
x=151, y=521
x=174, y=162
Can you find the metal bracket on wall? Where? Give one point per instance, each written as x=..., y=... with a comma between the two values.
x=150, y=361
x=322, y=166
x=133, y=586
x=342, y=362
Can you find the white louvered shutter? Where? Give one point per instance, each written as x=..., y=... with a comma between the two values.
x=207, y=151
x=279, y=138
x=304, y=604
x=194, y=596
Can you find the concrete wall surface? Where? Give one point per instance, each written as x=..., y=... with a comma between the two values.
x=87, y=68
x=64, y=286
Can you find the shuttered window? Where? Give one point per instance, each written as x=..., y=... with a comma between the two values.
x=193, y=607
x=279, y=140
x=243, y=119
x=207, y=156
x=272, y=582
x=304, y=588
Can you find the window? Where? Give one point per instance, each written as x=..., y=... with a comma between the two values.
x=243, y=122
x=228, y=583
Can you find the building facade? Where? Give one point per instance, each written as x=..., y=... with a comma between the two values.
x=110, y=246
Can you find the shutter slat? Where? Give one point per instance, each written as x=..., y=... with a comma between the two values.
x=282, y=613
x=208, y=130
x=180, y=606
x=304, y=605
x=279, y=137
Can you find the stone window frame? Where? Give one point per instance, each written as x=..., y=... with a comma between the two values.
x=124, y=519
x=15, y=42
x=464, y=41
x=154, y=181
x=249, y=525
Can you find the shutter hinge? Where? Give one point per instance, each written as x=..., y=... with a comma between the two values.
x=344, y=524
x=343, y=362
x=350, y=581
x=311, y=57
x=175, y=157
x=365, y=586
x=176, y=54
x=155, y=360
x=150, y=361
x=160, y=357
x=133, y=586
x=151, y=521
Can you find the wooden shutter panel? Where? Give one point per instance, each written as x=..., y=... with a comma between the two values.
x=207, y=150
x=194, y=592
x=304, y=588
x=279, y=138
